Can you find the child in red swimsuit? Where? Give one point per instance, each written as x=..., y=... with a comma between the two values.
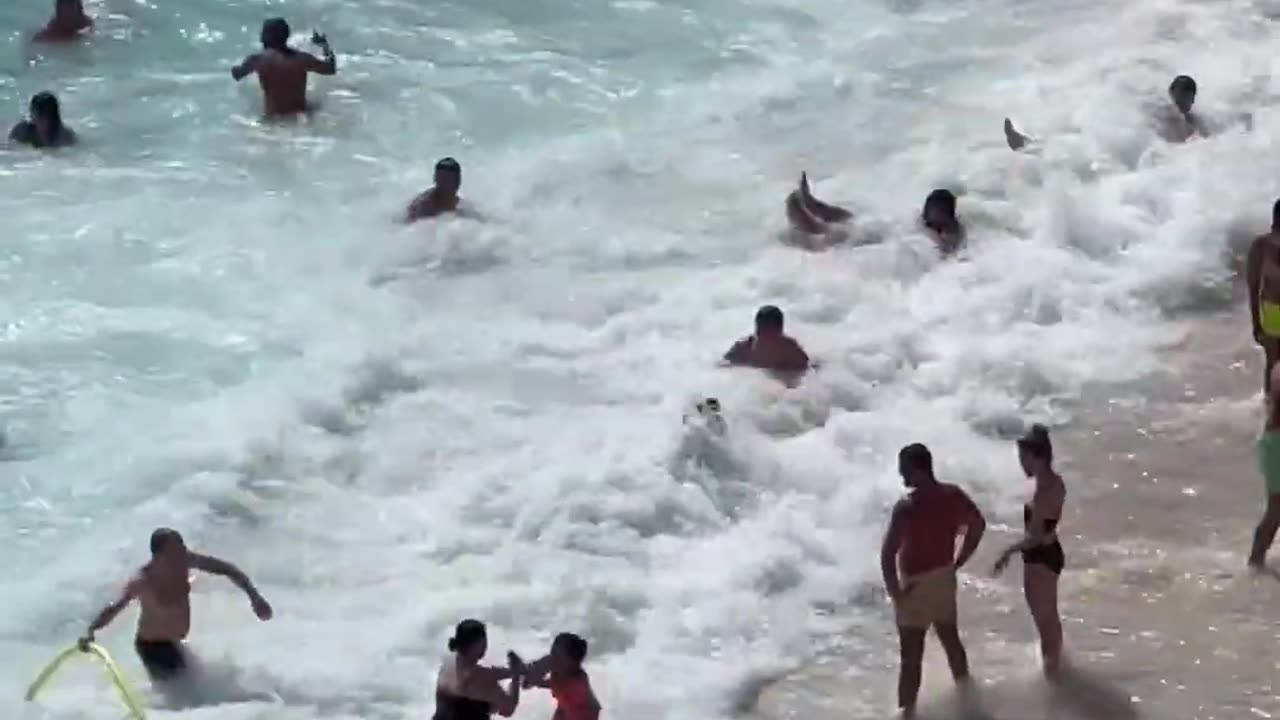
x=561, y=671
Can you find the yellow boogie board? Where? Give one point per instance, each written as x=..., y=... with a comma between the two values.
x=126, y=693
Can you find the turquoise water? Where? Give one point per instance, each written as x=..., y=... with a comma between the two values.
x=216, y=324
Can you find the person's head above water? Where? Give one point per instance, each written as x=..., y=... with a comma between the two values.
x=68, y=9
x=1182, y=91
x=1035, y=450
x=448, y=176
x=769, y=321
x=168, y=548
x=915, y=465
x=939, y=213
x=46, y=114
x=470, y=640
x=275, y=34
x=567, y=653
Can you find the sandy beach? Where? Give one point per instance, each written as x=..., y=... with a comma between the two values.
x=1162, y=619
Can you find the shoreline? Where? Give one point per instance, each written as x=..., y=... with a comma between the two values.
x=1161, y=616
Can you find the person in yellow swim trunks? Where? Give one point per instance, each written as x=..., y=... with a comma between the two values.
x=1262, y=272
x=1269, y=465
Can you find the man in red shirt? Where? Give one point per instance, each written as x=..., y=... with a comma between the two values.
x=921, y=542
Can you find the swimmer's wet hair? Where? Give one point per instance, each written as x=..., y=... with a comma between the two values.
x=573, y=645
x=162, y=537
x=1037, y=442
x=916, y=456
x=467, y=634
x=1182, y=82
x=943, y=197
x=770, y=316
x=449, y=164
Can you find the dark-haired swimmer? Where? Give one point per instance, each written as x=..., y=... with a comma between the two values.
x=44, y=128
x=561, y=672
x=939, y=218
x=163, y=588
x=282, y=71
x=467, y=690
x=442, y=197
x=1177, y=122
x=1042, y=557
x=770, y=348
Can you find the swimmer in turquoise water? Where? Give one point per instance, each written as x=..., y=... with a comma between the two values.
x=809, y=215
x=1177, y=122
x=442, y=197
x=1269, y=465
x=68, y=22
x=769, y=348
x=940, y=219
x=163, y=588
x=282, y=71
x=44, y=128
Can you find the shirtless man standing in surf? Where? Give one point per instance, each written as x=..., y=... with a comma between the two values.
x=282, y=71
x=921, y=543
x=163, y=589
x=1262, y=274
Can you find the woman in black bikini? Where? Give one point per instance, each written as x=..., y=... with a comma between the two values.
x=467, y=690
x=1042, y=556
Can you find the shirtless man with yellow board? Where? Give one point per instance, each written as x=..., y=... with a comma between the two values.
x=163, y=588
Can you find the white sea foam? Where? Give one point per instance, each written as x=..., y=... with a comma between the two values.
x=217, y=326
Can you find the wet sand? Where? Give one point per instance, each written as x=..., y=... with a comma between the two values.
x=1162, y=619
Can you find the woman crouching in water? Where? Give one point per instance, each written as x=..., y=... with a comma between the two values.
x=467, y=690
x=1042, y=556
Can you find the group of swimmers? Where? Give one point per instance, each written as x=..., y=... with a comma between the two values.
x=919, y=559
x=465, y=688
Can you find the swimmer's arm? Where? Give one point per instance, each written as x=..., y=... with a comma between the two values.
x=216, y=566
x=535, y=673
x=1253, y=278
x=737, y=354
x=889, y=552
x=484, y=686
x=109, y=613
x=327, y=66
x=246, y=68
x=974, y=527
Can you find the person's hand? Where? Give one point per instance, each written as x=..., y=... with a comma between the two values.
x=1002, y=563
x=515, y=664
x=319, y=39
x=261, y=607
x=85, y=641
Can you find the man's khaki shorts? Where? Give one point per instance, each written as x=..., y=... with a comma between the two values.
x=928, y=598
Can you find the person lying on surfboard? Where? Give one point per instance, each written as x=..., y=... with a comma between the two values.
x=809, y=215
x=163, y=588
